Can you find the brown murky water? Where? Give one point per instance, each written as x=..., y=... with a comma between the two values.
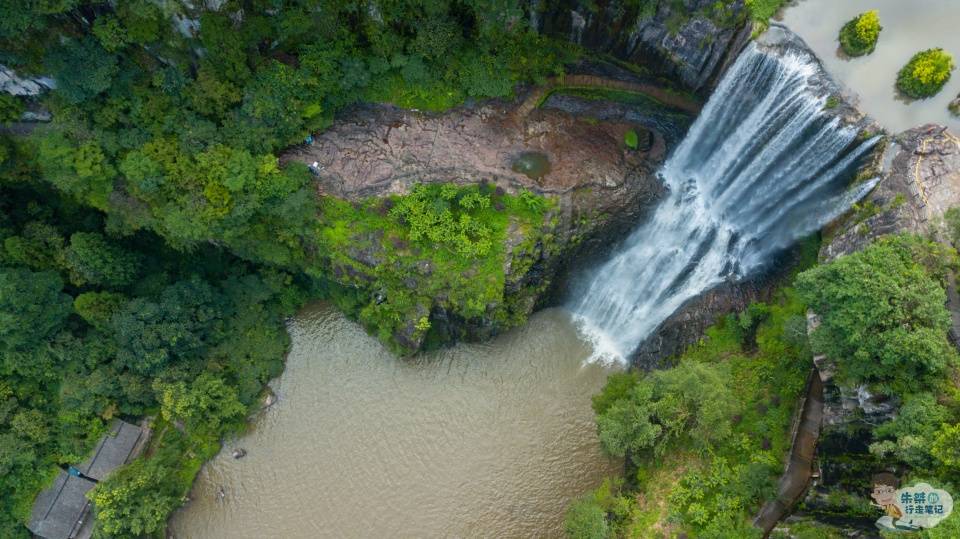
x=909, y=26
x=484, y=440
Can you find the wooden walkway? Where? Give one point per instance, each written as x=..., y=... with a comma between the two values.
x=796, y=475
x=661, y=94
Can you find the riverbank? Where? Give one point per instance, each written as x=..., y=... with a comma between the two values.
x=490, y=440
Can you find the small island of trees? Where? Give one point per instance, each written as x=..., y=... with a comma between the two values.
x=926, y=73
x=859, y=36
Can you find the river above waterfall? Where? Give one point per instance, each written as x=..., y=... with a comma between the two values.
x=477, y=440
x=908, y=28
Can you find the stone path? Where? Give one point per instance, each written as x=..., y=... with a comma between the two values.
x=661, y=94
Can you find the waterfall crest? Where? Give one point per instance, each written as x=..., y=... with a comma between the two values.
x=760, y=168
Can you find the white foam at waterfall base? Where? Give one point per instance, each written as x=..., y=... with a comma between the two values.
x=763, y=166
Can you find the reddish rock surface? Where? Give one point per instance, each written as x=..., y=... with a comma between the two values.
x=377, y=150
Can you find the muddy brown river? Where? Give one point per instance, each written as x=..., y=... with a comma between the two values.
x=478, y=440
x=908, y=27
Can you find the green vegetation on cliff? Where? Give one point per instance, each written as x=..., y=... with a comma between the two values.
x=925, y=74
x=705, y=439
x=763, y=10
x=441, y=246
x=859, y=35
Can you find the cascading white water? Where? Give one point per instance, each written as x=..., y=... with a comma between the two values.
x=757, y=171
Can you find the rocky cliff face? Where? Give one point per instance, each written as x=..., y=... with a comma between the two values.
x=691, y=41
x=600, y=186
x=919, y=173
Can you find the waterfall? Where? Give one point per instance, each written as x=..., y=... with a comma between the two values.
x=762, y=167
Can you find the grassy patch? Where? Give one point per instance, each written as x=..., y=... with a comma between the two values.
x=434, y=96
x=762, y=10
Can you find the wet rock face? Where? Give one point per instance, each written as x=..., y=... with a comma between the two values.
x=690, y=323
x=921, y=181
x=692, y=49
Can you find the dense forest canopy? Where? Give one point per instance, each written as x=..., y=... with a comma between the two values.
x=151, y=244
x=177, y=134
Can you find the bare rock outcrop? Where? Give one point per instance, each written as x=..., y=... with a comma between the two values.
x=920, y=183
x=602, y=187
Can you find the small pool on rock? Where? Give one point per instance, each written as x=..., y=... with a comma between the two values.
x=534, y=165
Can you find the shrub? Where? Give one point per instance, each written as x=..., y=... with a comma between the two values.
x=691, y=402
x=586, y=520
x=925, y=73
x=446, y=215
x=859, y=35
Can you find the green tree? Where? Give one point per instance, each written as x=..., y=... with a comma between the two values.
x=98, y=308
x=206, y=404
x=627, y=426
x=946, y=446
x=883, y=314
x=110, y=33
x=31, y=425
x=80, y=170
x=38, y=246
x=95, y=261
x=910, y=436
x=135, y=500
x=150, y=334
x=691, y=402
x=82, y=69
x=695, y=402
x=11, y=108
x=32, y=307
x=925, y=74
x=859, y=35
x=618, y=387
